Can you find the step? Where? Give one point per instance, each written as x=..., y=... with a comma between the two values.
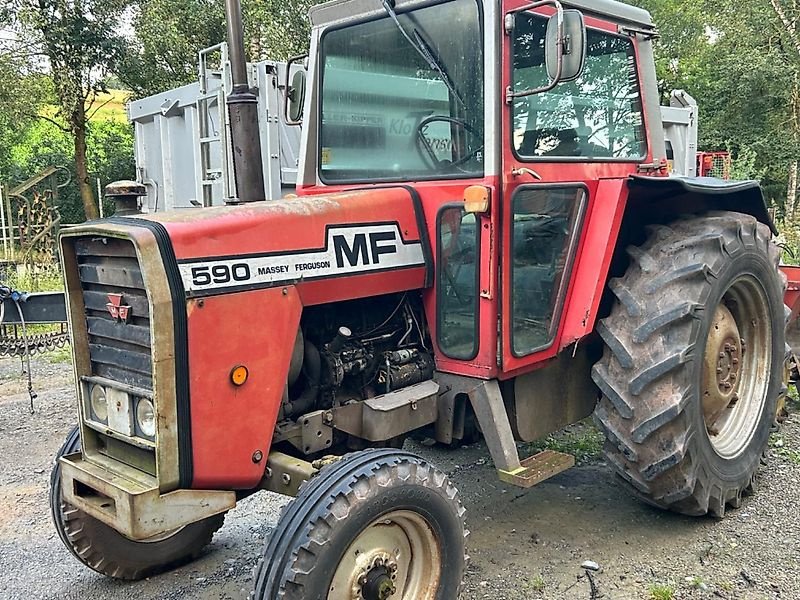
x=537, y=468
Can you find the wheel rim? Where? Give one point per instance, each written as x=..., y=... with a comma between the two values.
x=396, y=557
x=736, y=367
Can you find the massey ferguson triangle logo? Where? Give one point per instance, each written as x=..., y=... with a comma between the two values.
x=119, y=311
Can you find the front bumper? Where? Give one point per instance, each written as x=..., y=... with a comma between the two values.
x=130, y=502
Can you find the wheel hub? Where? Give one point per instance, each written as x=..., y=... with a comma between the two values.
x=396, y=557
x=376, y=579
x=723, y=364
x=378, y=583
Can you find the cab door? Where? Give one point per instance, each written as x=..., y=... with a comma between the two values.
x=566, y=154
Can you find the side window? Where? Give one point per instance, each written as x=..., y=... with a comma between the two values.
x=457, y=287
x=544, y=235
x=598, y=115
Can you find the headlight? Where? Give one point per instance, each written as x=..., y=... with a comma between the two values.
x=146, y=417
x=99, y=404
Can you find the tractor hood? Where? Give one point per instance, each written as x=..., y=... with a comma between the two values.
x=377, y=235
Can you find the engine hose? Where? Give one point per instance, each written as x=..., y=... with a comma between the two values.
x=312, y=369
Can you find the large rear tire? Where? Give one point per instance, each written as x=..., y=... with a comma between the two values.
x=693, y=364
x=377, y=524
x=106, y=551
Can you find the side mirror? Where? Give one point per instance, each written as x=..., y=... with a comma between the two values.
x=294, y=93
x=564, y=47
x=565, y=42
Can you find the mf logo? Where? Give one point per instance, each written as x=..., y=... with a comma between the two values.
x=366, y=249
x=119, y=312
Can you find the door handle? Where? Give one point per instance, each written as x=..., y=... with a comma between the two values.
x=518, y=171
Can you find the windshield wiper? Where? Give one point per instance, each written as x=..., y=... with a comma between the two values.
x=424, y=50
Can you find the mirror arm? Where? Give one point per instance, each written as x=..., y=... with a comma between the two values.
x=288, y=91
x=510, y=93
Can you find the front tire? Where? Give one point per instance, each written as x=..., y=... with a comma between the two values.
x=375, y=525
x=108, y=552
x=693, y=363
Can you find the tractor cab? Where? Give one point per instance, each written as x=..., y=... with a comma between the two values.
x=535, y=108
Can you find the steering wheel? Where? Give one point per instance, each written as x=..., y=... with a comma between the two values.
x=427, y=152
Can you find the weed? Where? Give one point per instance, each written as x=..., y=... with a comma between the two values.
x=43, y=278
x=661, y=591
x=776, y=442
x=582, y=440
x=537, y=584
x=59, y=355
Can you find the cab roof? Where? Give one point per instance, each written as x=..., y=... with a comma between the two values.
x=339, y=10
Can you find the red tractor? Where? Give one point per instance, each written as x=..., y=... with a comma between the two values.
x=484, y=239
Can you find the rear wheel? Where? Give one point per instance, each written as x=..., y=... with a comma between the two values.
x=106, y=551
x=376, y=525
x=693, y=365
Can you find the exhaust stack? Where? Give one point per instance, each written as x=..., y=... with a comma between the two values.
x=243, y=112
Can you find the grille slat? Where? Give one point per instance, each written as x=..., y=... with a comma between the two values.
x=119, y=333
x=118, y=350
x=111, y=275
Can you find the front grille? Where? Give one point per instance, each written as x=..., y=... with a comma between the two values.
x=118, y=350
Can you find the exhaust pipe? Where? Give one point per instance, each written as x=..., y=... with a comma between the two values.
x=243, y=112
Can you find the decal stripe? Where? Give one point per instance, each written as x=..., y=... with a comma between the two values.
x=349, y=250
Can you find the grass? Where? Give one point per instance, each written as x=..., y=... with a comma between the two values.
x=39, y=279
x=59, y=355
x=537, y=583
x=582, y=440
x=661, y=591
x=107, y=107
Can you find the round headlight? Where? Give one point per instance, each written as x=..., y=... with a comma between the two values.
x=99, y=403
x=146, y=417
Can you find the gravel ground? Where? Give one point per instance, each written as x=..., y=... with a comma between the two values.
x=524, y=544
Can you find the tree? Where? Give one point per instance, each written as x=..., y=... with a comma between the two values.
x=168, y=35
x=22, y=92
x=78, y=40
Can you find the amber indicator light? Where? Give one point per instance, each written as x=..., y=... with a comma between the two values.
x=239, y=375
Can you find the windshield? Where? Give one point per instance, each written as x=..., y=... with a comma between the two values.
x=402, y=96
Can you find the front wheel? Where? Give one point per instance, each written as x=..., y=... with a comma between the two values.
x=376, y=525
x=108, y=552
x=694, y=361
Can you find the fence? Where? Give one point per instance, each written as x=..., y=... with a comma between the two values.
x=29, y=219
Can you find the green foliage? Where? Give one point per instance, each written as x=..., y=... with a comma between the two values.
x=582, y=440
x=168, y=37
x=660, y=591
x=537, y=583
x=740, y=63
x=77, y=46
x=41, y=144
x=169, y=34
x=44, y=278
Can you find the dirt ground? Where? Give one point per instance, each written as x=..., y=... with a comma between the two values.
x=523, y=544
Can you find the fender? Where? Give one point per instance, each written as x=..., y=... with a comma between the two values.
x=673, y=196
x=621, y=214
